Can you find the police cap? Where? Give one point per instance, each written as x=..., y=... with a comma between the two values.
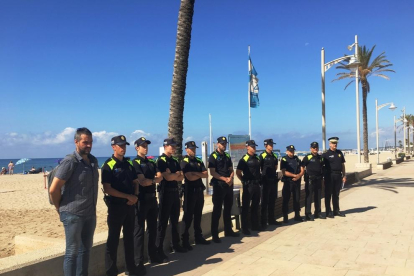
x=141, y=141
x=269, y=142
x=290, y=148
x=251, y=143
x=314, y=145
x=169, y=142
x=190, y=144
x=222, y=140
x=333, y=140
x=119, y=140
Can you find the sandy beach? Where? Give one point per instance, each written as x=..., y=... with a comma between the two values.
x=25, y=209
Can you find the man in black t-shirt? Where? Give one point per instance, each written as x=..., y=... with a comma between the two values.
x=292, y=173
x=334, y=177
x=248, y=171
x=120, y=182
x=221, y=170
x=194, y=170
x=147, y=206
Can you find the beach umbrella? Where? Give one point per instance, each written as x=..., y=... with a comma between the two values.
x=22, y=161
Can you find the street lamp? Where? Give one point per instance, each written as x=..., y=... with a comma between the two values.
x=392, y=107
x=353, y=65
x=395, y=132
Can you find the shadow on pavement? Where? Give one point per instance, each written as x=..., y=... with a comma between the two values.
x=358, y=210
x=385, y=183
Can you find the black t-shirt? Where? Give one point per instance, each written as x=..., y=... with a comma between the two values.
x=314, y=164
x=163, y=163
x=333, y=160
x=148, y=168
x=192, y=165
x=268, y=163
x=250, y=165
x=120, y=174
x=291, y=165
x=221, y=162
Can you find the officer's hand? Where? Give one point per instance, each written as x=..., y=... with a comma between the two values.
x=132, y=199
x=344, y=179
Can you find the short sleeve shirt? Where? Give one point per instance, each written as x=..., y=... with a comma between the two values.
x=333, y=160
x=291, y=165
x=268, y=163
x=250, y=166
x=148, y=168
x=163, y=163
x=313, y=164
x=220, y=162
x=120, y=174
x=193, y=165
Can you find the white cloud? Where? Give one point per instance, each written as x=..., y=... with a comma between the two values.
x=103, y=137
x=189, y=138
x=139, y=133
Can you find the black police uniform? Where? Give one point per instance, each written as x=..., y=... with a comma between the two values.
x=193, y=198
x=291, y=165
x=146, y=210
x=333, y=179
x=250, y=166
x=314, y=165
x=222, y=192
x=268, y=165
x=169, y=204
x=120, y=174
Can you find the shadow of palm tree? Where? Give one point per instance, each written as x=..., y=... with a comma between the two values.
x=358, y=210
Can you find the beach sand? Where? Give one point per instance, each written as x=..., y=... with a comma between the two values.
x=25, y=209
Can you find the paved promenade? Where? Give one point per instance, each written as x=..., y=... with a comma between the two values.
x=375, y=238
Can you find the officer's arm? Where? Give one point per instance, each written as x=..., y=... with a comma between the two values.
x=192, y=176
x=343, y=173
x=302, y=172
x=288, y=174
x=216, y=175
x=158, y=177
x=180, y=175
x=55, y=191
x=144, y=182
x=169, y=176
x=112, y=192
x=239, y=175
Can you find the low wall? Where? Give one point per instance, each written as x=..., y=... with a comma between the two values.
x=397, y=161
x=384, y=165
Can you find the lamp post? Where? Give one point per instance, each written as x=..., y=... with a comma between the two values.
x=404, y=122
x=353, y=64
x=395, y=132
x=392, y=107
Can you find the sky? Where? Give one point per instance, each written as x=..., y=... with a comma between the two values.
x=107, y=65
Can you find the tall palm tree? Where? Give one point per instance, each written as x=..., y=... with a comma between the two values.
x=377, y=67
x=179, y=82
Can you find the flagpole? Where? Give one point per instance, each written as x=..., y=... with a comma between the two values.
x=248, y=97
x=211, y=135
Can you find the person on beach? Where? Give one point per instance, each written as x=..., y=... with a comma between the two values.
x=334, y=177
x=268, y=167
x=248, y=172
x=147, y=206
x=292, y=173
x=11, y=167
x=78, y=177
x=3, y=171
x=120, y=183
x=314, y=166
x=194, y=170
x=221, y=170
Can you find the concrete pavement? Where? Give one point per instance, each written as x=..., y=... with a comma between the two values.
x=375, y=238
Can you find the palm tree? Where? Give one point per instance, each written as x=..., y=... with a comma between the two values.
x=377, y=68
x=179, y=82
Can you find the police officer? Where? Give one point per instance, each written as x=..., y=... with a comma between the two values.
x=313, y=164
x=334, y=177
x=268, y=166
x=292, y=173
x=147, y=206
x=221, y=170
x=194, y=170
x=169, y=203
x=248, y=171
x=121, y=184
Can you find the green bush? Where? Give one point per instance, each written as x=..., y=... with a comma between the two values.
x=401, y=154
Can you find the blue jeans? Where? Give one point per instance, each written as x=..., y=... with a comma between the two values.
x=79, y=239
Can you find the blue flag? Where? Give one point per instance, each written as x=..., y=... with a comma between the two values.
x=254, y=86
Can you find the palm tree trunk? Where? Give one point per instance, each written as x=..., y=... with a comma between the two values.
x=179, y=82
x=365, y=123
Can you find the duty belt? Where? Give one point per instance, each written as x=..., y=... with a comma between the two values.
x=147, y=195
x=196, y=189
x=255, y=182
x=169, y=190
x=336, y=172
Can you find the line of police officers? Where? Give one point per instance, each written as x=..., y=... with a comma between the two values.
x=130, y=188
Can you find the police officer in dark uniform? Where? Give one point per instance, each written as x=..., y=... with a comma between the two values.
x=248, y=171
x=292, y=173
x=334, y=177
x=169, y=203
x=121, y=184
x=314, y=165
x=147, y=206
x=268, y=166
x=221, y=170
x=194, y=170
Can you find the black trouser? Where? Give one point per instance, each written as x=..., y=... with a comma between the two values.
x=333, y=184
x=250, y=200
x=120, y=216
x=313, y=187
x=291, y=187
x=222, y=194
x=146, y=210
x=193, y=208
x=169, y=209
x=269, y=196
